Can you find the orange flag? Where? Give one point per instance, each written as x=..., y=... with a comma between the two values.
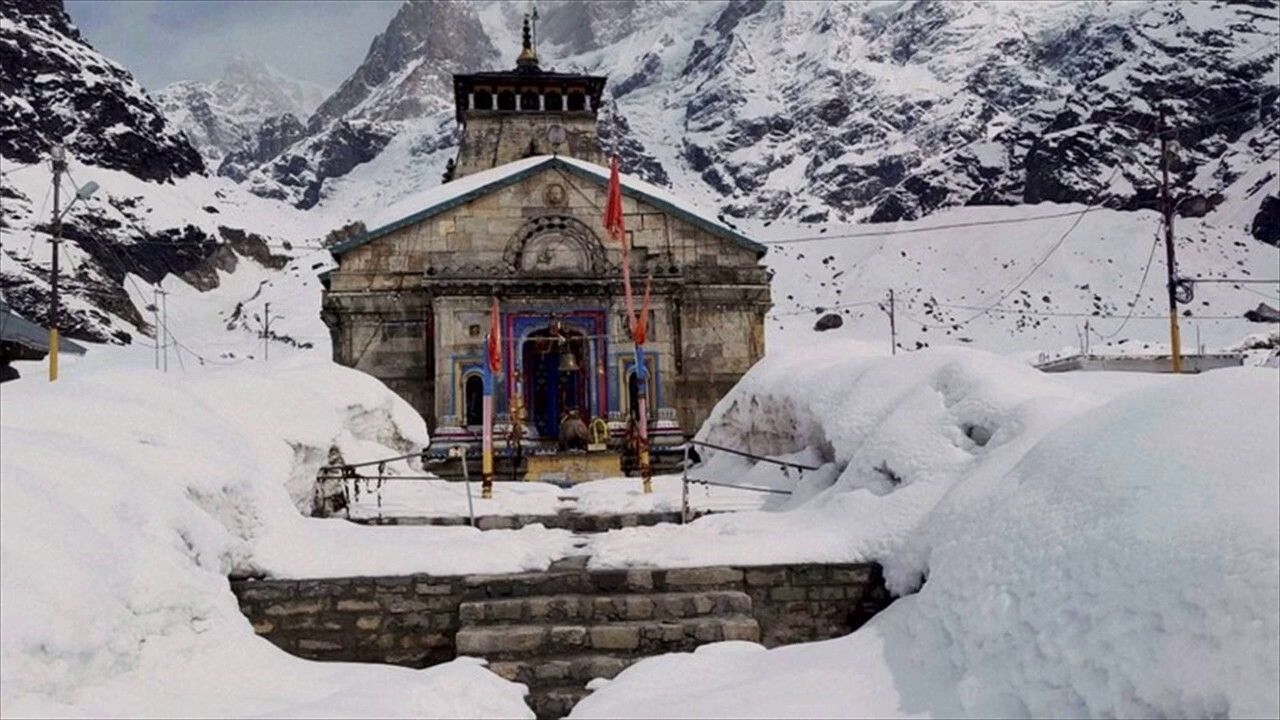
x=613, y=224
x=613, y=206
x=495, y=340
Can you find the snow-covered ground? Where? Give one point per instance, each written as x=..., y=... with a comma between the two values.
x=1094, y=544
x=131, y=494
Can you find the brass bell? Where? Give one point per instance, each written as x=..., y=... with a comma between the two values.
x=568, y=361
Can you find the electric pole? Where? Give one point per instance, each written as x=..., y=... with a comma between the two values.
x=164, y=323
x=1170, y=262
x=893, y=325
x=59, y=157
x=155, y=315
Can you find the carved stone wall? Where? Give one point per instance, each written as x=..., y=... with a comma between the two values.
x=493, y=139
x=539, y=246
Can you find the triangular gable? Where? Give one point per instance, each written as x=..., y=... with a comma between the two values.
x=463, y=190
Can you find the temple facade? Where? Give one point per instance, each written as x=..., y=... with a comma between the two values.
x=521, y=221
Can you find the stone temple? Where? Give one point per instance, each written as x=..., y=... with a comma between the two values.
x=520, y=219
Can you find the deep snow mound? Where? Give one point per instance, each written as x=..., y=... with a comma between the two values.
x=130, y=495
x=889, y=436
x=1129, y=561
x=1110, y=548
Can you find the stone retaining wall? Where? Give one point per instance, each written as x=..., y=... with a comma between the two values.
x=413, y=620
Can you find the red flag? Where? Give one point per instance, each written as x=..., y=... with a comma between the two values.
x=495, y=341
x=613, y=207
x=613, y=224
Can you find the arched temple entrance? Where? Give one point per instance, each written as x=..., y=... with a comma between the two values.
x=554, y=364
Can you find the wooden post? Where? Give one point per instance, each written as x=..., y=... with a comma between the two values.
x=642, y=391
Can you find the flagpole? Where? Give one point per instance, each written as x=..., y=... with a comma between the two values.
x=642, y=390
x=492, y=367
x=615, y=226
x=486, y=459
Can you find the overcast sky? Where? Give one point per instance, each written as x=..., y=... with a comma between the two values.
x=162, y=41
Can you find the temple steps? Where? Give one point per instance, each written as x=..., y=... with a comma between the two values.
x=556, y=644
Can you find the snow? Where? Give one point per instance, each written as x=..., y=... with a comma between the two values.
x=1110, y=552
x=608, y=496
x=131, y=494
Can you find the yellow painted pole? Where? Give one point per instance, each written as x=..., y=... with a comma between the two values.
x=486, y=460
x=53, y=354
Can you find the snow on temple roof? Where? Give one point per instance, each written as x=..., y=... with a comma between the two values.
x=415, y=209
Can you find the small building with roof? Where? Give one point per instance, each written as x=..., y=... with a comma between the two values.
x=521, y=220
x=21, y=339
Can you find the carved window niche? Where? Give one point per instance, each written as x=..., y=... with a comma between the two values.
x=555, y=245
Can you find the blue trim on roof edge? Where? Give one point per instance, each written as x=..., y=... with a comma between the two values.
x=550, y=163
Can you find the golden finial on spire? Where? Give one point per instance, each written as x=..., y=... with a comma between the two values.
x=528, y=58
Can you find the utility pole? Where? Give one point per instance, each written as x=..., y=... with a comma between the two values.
x=1171, y=265
x=164, y=314
x=59, y=157
x=155, y=314
x=893, y=324
x=1086, y=336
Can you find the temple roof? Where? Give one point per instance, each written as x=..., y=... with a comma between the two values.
x=419, y=207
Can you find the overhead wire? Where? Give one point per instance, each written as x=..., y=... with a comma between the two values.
x=128, y=273
x=1133, y=305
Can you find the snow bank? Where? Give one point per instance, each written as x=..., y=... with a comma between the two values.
x=889, y=437
x=1094, y=558
x=130, y=495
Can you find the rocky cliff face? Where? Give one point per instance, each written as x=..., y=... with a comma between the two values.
x=55, y=88
x=224, y=116
x=156, y=212
x=861, y=111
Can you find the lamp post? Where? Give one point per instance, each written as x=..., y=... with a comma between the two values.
x=58, y=157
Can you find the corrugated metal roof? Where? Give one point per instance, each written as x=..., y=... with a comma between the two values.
x=20, y=331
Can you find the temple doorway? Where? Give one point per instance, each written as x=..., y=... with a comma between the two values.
x=555, y=377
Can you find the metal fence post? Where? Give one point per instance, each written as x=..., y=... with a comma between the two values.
x=461, y=452
x=684, y=488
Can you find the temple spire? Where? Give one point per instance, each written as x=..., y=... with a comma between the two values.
x=528, y=58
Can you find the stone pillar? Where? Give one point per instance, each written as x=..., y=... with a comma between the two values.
x=471, y=101
x=586, y=102
x=542, y=102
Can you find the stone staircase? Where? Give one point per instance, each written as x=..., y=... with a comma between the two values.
x=556, y=630
x=556, y=644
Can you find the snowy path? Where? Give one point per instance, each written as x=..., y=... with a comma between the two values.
x=611, y=496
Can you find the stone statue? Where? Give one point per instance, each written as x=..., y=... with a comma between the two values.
x=573, y=432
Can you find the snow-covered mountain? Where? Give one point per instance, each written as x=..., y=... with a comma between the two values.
x=848, y=110
x=784, y=113
x=224, y=116
x=157, y=211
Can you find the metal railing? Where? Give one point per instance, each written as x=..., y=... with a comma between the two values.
x=686, y=481
x=350, y=479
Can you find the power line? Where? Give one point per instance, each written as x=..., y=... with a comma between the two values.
x=1138, y=293
x=1234, y=281
x=912, y=231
